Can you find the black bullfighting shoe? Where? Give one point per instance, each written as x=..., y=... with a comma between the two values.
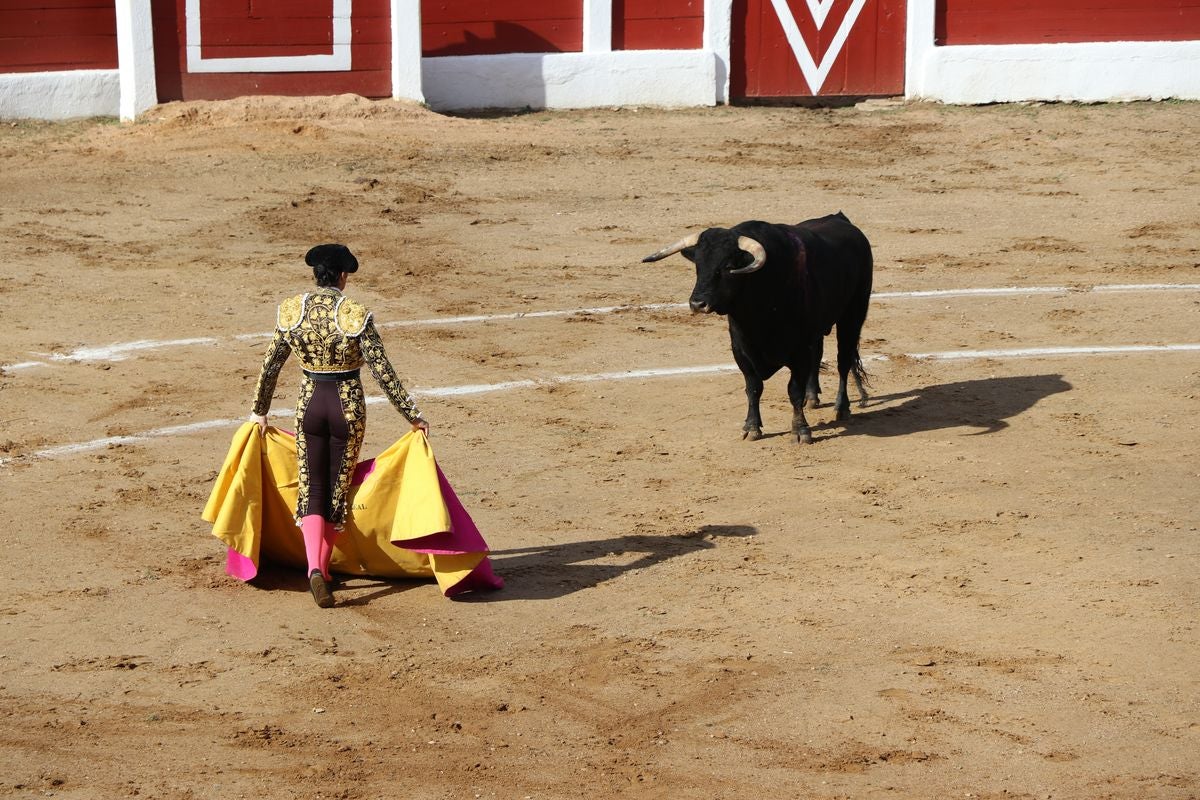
x=320, y=589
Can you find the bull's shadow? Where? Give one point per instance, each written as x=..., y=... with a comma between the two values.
x=530, y=573
x=985, y=405
x=557, y=570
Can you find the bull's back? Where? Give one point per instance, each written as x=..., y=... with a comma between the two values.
x=835, y=244
x=835, y=232
x=839, y=269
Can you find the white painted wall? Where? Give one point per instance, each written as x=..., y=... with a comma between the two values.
x=135, y=57
x=406, y=50
x=1087, y=72
x=597, y=77
x=60, y=95
x=597, y=26
x=671, y=78
x=718, y=38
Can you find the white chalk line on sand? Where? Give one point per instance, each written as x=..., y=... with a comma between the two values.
x=123, y=350
x=603, y=377
x=1043, y=352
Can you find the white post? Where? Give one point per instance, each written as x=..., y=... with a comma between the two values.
x=135, y=57
x=406, y=51
x=718, y=33
x=918, y=45
x=597, y=26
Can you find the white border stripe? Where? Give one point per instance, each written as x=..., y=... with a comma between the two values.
x=1039, y=352
x=1003, y=291
x=337, y=61
x=120, y=352
x=568, y=312
x=101, y=353
x=600, y=377
x=157, y=433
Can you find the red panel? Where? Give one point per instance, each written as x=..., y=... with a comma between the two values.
x=370, y=30
x=221, y=37
x=13, y=5
x=217, y=86
x=277, y=9
x=438, y=12
x=233, y=29
x=63, y=22
x=1060, y=21
x=54, y=35
x=658, y=24
x=871, y=62
x=488, y=27
x=370, y=52
x=54, y=55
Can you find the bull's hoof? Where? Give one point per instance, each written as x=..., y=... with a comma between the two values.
x=752, y=434
x=812, y=401
x=804, y=436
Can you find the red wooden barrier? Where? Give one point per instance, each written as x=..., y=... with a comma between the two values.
x=271, y=28
x=658, y=24
x=763, y=63
x=490, y=27
x=54, y=35
x=1060, y=21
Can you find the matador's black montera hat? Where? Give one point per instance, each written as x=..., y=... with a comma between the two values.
x=332, y=256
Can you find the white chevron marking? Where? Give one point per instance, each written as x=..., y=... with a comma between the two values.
x=819, y=10
x=816, y=74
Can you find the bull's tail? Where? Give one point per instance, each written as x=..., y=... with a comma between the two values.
x=862, y=380
x=855, y=319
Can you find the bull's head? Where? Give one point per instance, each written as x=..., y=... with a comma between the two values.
x=721, y=258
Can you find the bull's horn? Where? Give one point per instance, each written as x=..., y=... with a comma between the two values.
x=687, y=241
x=755, y=249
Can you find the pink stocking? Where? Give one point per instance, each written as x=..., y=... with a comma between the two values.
x=327, y=539
x=313, y=529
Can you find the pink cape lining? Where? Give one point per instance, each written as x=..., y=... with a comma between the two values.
x=463, y=537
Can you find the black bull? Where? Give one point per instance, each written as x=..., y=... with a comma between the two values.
x=784, y=288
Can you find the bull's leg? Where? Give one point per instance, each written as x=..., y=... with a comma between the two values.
x=848, y=364
x=752, y=430
x=812, y=393
x=841, y=403
x=796, y=386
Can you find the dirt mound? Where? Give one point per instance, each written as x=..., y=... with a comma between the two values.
x=273, y=108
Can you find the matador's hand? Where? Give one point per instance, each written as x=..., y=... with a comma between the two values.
x=419, y=424
x=261, y=421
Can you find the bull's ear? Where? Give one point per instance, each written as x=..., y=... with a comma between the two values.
x=689, y=253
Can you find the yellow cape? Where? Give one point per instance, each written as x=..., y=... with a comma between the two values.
x=402, y=502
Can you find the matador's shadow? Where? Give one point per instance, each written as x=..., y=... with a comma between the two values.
x=557, y=570
x=985, y=404
x=530, y=573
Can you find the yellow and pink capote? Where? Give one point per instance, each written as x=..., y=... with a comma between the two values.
x=405, y=520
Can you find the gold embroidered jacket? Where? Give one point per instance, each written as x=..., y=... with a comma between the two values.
x=329, y=333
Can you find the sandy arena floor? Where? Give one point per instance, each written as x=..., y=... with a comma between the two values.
x=983, y=586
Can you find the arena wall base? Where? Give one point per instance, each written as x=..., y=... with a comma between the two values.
x=60, y=95
x=664, y=78
x=1094, y=72
x=1088, y=73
